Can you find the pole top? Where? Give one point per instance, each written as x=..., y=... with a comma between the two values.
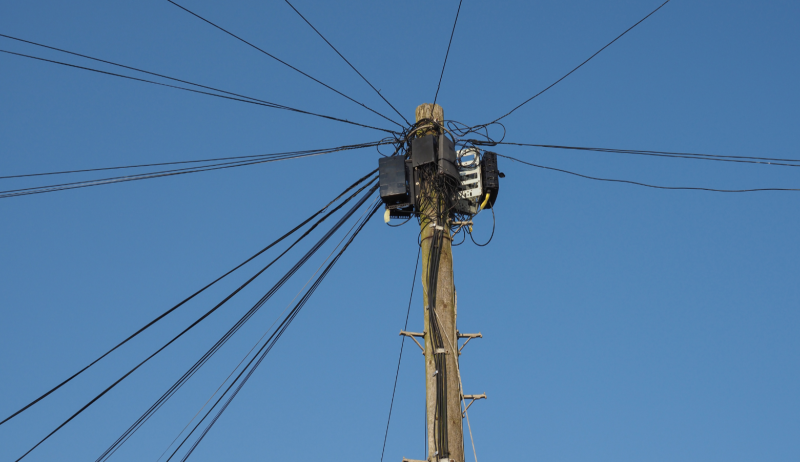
x=430, y=111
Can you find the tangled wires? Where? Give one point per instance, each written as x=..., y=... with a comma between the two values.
x=439, y=198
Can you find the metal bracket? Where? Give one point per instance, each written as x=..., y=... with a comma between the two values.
x=461, y=224
x=472, y=399
x=468, y=337
x=415, y=334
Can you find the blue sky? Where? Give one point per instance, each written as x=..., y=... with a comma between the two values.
x=620, y=323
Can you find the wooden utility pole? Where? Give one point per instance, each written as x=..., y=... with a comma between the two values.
x=443, y=397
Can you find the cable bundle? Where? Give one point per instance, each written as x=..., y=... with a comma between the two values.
x=367, y=183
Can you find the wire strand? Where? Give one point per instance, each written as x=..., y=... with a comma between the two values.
x=164, y=314
x=645, y=184
x=159, y=164
x=127, y=67
x=579, y=65
x=281, y=330
x=246, y=317
x=400, y=358
x=166, y=173
x=282, y=62
x=243, y=100
x=196, y=322
x=348, y=62
x=448, y=52
x=247, y=355
x=681, y=155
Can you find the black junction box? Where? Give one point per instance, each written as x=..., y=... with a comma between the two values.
x=423, y=150
x=392, y=173
x=413, y=184
x=435, y=149
x=490, y=177
x=446, y=156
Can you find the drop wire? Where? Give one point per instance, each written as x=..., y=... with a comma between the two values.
x=250, y=101
x=348, y=62
x=281, y=61
x=636, y=183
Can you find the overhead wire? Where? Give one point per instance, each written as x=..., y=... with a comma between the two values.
x=246, y=317
x=579, y=65
x=645, y=184
x=192, y=90
x=267, y=347
x=258, y=342
x=680, y=155
x=126, y=178
x=155, y=74
x=196, y=322
x=184, y=301
x=282, y=62
x=348, y=62
x=181, y=171
x=400, y=358
x=221, y=342
x=448, y=52
x=208, y=413
x=159, y=164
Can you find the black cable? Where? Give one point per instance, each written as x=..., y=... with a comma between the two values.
x=399, y=359
x=124, y=178
x=490, y=237
x=647, y=185
x=581, y=64
x=25, y=175
x=267, y=347
x=243, y=359
x=173, y=172
x=164, y=314
x=129, y=67
x=281, y=61
x=208, y=313
x=252, y=156
x=680, y=155
x=235, y=328
x=463, y=238
x=250, y=101
x=448, y=52
x=435, y=206
x=401, y=224
x=348, y=62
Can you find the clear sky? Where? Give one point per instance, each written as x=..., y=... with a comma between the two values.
x=620, y=323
